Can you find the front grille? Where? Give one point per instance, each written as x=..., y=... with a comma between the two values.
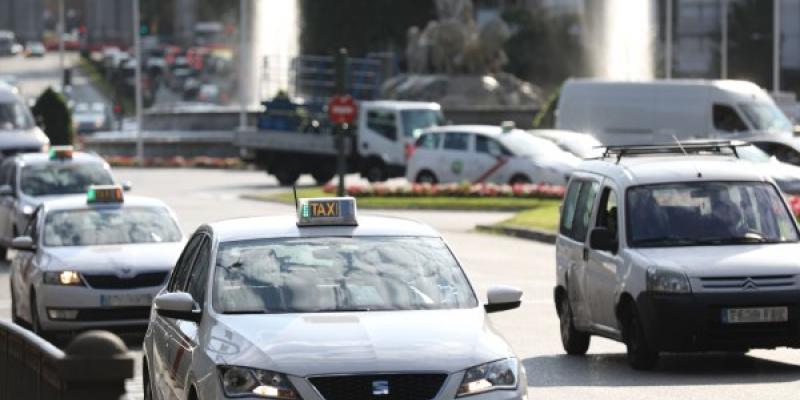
x=400, y=386
x=113, y=314
x=109, y=281
x=748, y=282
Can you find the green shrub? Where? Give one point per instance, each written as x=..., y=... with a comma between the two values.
x=54, y=117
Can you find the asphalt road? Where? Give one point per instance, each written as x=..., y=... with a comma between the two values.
x=36, y=74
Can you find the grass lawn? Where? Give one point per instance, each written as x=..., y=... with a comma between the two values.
x=429, y=203
x=544, y=217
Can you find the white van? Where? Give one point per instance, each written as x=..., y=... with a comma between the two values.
x=620, y=113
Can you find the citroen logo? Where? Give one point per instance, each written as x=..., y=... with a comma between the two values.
x=380, y=388
x=749, y=284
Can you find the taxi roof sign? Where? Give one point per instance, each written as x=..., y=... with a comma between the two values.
x=104, y=194
x=327, y=211
x=61, y=152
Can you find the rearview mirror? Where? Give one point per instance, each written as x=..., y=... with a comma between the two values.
x=24, y=243
x=501, y=298
x=178, y=305
x=602, y=239
x=127, y=186
x=6, y=190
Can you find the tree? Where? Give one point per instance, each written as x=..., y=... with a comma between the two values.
x=54, y=116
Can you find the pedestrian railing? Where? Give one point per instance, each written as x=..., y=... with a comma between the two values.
x=93, y=366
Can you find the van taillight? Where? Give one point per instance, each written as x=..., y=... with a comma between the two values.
x=410, y=150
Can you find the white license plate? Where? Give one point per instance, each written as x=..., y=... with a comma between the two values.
x=125, y=300
x=755, y=315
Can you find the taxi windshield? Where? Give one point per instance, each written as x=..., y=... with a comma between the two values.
x=14, y=115
x=110, y=225
x=326, y=274
x=62, y=178
x=707, y=213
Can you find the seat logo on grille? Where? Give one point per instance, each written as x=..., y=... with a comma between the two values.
x=380, y=388
x=749, y=284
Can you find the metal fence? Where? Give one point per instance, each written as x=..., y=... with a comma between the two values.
x=93, y=366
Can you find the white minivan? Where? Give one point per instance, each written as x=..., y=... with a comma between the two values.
x=659, y=111
x=676, y=249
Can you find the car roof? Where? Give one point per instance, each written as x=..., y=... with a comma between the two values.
x=405, y=105
x=44, y=158
x=7, y=93
x=668, y=168
x=78, y=202
x=488, y=130
x=285, y=226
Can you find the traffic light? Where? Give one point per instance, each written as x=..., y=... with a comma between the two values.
x=144, y=30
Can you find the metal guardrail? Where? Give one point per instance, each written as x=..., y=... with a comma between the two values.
x=94, y=366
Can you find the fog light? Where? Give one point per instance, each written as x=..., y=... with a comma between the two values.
x=62, y=314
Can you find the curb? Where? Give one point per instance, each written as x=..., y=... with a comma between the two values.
x=522, y=233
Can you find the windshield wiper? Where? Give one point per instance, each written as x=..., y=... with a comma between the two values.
x=245, y=312
x=349, y=309
x=666, y=240
x=738, y=239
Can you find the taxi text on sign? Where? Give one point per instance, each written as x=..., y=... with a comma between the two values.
x=342, y=109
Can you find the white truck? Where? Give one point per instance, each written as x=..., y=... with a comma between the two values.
x=384, y=134
x=622, y=113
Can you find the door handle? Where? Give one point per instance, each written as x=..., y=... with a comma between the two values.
x=585, y=254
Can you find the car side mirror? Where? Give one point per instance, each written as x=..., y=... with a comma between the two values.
x=601, y=238
x=127, y=186
x=178, y=305
x=23, y=243
x=6, y=190
x=501, y=298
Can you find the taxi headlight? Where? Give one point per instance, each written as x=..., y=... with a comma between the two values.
x=667, y=281
x=500, y=374
x=62, y=278
x=241, y=381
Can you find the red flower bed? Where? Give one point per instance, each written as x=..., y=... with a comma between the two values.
x=175, y=162
x=452, y=190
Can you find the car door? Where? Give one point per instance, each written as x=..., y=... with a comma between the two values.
x=490, y=160
x=185, y=338
x=455, y=156
x=604, y=267
x=163, y=327
x=8, y=201
x=571, y=250
x=381, y=137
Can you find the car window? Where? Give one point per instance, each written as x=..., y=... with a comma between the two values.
x=489, y=146
x=781, y=151
x=429, y=141
x=332, y=274
x=6, y=172
x=14, y=115
x=583, y=211
x=456, y=141
x=607, y=214
x=110, y=225
x=568, y=207
x=62, y=178
x=383, y=123
x=198, y=277
x=726, y=119
x=180, y=273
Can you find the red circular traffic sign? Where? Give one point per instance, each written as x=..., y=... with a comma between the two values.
x=342, y=109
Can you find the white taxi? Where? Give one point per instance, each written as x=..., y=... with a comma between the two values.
x=676, y=248
x=490, y=154
x=92, y=261
x=326, y=306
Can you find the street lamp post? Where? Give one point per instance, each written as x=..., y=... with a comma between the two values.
x=668, y=40
x=242, y=64
x=137, y=46
x=723, y=45
x=776, y=46
x=61, y=65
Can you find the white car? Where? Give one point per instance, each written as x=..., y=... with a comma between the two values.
x=786, y=175
x=326, y=306
x=92, y=261
x=582, y=145
x=491, y=154
x=674, y=252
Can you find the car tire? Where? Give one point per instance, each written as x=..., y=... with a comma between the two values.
x=286, y=177
x=519, y=179
x=574, y=341
x=3, y=253
x=36, y=326
x=14, y=318
x=426, y=177
x=147, y=387
x=641, y=355
x=322, y=177
x=375, y=171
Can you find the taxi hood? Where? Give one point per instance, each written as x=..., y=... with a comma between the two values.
x=727, y=260
x=144, y=256
x=353, y=342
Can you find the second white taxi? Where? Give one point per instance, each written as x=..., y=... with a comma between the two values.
x=326, y=306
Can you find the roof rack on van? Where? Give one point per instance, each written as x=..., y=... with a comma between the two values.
x=690, y=147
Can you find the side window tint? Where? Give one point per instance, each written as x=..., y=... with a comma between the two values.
x=583, y=212
x=382, y=122
x=198, y=278
x=429, y=141
x=607, y=215
x=177, y=280
x=727, y=120
x=568, y=207
x=456, y=141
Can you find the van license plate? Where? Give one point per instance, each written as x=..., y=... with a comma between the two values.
x=755, y=315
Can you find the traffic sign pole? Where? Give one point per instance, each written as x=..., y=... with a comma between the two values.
x=341, y=126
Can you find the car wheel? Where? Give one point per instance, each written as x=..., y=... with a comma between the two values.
x=147, y=388
x=14, y=318
x=375, y=172
x=426, y=177
x=519, y=179
x=574, y=341
x=36, y=326
x=322, y=177
x=641, y=355
x=286, y=177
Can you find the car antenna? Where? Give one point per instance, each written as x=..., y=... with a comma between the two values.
x=699, y=174
x=294, y=191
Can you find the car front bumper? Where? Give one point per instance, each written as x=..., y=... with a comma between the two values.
x=93, y=308
x=693, y=322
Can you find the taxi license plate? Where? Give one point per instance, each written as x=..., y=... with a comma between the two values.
x=123, y=300
x=755, y=315
x=324, y=209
